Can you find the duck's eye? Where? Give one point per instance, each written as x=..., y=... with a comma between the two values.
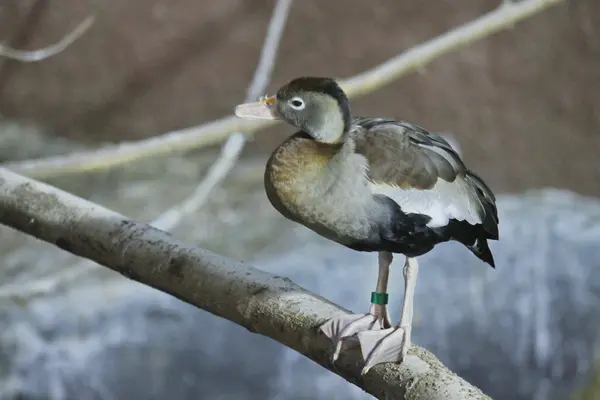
x=297, y=103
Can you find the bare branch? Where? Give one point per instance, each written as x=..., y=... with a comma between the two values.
x=261, y=302
x=46, y=52
x=232, y=149
x=506, y=16
x=262, y=74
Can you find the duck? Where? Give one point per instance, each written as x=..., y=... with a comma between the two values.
x=379, y=185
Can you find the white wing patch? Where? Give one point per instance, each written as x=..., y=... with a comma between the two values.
x=445, y=201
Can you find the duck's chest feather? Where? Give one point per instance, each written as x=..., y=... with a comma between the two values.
x=325, y=188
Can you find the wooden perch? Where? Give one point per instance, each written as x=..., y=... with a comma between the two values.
x=263, y=303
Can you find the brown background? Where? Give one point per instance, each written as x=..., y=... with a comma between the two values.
x=524, y=104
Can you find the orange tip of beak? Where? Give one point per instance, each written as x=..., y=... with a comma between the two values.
x=262, y=109
x=268, y=100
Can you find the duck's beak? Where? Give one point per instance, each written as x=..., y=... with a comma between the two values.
x=262, y=109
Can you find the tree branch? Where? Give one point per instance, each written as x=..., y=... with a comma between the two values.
x=268, y=53
x=505, y=16
x=49, y=51
x=263, y=303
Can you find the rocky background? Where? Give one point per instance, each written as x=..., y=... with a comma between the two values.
x=523, y=105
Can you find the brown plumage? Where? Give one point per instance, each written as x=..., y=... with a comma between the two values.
x=372, y=184
x=299, y=160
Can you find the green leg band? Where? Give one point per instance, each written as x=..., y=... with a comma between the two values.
x=379, y=298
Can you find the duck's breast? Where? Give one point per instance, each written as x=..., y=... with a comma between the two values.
x=323, y=188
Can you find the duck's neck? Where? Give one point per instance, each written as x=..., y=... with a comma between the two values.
x=341, y=166
x=303, y=163
x=329, y=127
x=330, y=130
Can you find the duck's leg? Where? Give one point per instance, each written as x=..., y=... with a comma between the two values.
x=391, y=345
x=341, y=328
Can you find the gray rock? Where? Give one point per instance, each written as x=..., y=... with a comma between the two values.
x=527, y=330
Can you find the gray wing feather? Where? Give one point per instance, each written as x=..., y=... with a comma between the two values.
x=422, y=172
x=404, y=154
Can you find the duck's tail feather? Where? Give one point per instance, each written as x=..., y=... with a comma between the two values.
x=489, y=211
x=481, y=249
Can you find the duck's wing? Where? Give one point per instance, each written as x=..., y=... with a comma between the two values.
x=423, y=174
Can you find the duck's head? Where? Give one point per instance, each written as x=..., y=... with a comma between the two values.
x=317, y=106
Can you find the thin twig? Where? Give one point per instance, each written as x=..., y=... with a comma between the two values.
x=234, y=145
x=268, y=54
x=49, y=51
x=505, y=16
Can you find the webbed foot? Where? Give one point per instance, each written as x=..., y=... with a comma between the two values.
x=387, y=345
x=341, y=328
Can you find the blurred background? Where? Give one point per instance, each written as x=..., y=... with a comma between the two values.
x=523, y=106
